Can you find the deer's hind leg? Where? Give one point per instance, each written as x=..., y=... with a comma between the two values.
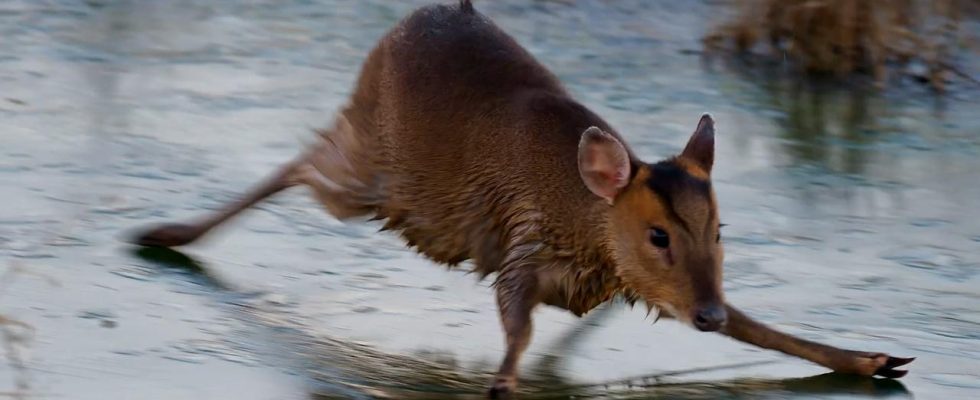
x=178, y=234
x=335, y=167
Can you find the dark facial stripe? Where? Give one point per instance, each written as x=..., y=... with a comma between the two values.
x=667, y=178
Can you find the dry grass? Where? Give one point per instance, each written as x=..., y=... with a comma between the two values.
x=843, y=37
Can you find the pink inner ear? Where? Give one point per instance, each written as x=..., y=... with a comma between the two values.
x=611, y=180
x=617, y=177
x=603, y=163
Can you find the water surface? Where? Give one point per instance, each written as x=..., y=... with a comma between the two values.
x=851, y=214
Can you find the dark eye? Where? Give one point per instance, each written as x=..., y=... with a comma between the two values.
x=659, y=238
x=718, y=238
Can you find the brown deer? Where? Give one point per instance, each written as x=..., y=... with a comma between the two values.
x=462, y=142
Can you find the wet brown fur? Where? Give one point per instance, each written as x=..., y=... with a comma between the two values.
x=496, y=179
x=472, y=150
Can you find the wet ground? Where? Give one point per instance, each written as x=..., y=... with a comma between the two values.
x=852, y=215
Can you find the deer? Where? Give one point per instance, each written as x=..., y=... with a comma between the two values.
x=471, y=150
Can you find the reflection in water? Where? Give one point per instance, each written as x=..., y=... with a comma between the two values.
x=823, y=123
x=169, y=258
x=825, y=126
x=342, y=369
x=402, y=377
x=840, y=146
x=367, y=372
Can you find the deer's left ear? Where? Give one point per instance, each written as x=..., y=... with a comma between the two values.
x=701, y=147
x=603, y=163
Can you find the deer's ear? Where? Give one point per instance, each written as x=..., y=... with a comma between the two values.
x=603, y=163
x=701, y=147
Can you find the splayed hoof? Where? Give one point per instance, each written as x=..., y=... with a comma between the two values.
x=502, y=388
x=876, y=364
x=888, y=369
x=167, y=235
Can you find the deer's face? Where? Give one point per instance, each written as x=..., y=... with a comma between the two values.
x=663, y=224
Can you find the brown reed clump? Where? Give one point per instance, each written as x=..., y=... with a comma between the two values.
x=853, y=36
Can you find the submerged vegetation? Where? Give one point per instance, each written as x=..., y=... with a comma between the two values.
x=881, y=38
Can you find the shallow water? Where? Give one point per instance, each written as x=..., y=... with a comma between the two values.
x=851, y=215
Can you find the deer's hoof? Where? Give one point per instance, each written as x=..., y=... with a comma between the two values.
x=888, y=370
x=877, y=364
x=502, y=388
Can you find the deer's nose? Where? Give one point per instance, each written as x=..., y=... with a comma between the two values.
x=710, y=318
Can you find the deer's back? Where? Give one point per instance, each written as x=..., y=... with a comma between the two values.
x=472, y=143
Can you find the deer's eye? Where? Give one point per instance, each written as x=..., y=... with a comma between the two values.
x=659, y=238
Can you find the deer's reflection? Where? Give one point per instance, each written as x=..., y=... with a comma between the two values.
x=374, y=374
x=344, y=370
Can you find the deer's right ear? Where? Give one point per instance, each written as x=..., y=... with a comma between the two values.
x=701, y=147
x=603, y=163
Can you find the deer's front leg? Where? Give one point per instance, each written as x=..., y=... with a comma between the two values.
x=745, y=329
x=517, y=295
